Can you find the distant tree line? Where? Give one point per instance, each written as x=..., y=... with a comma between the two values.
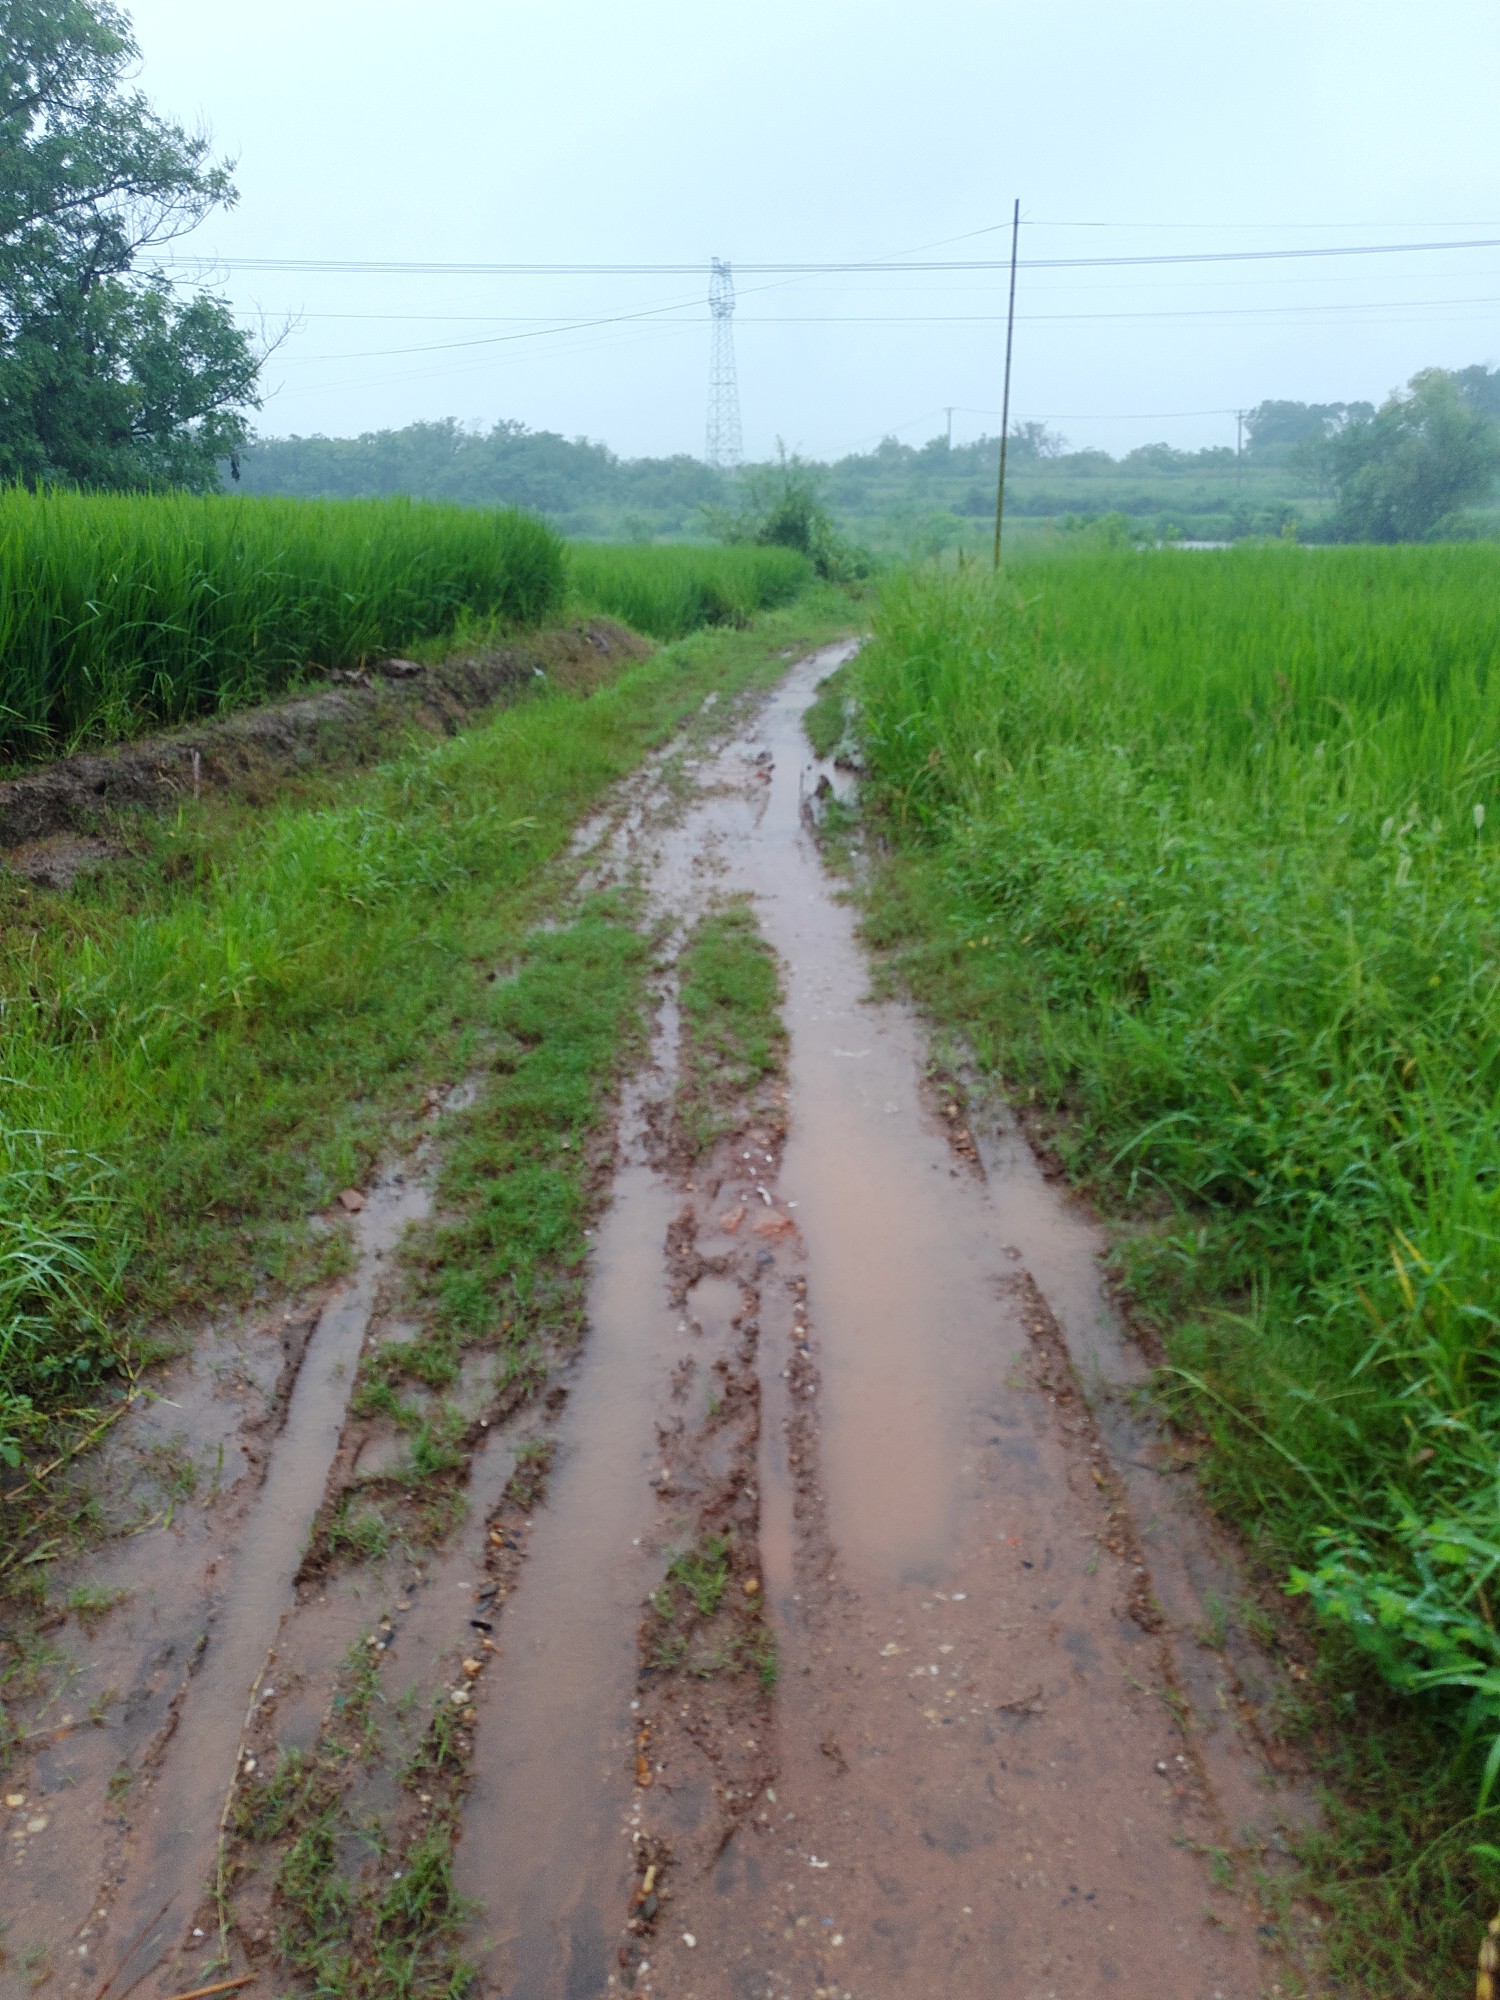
x=1404, y=471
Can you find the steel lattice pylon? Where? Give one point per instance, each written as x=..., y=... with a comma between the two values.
x=724, y=445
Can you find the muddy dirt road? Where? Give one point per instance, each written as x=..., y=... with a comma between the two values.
x=866, y=1641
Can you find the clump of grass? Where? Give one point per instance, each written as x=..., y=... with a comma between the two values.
x=62, y=1268
x=702, y=1571
x=90, y=1602
x=528, y=1482
x=827, y=720
x=358, y=1530
x=267, y=1808
x=730, y=996
x=1200, y=851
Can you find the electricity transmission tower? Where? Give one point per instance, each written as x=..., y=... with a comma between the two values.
x=724, y=445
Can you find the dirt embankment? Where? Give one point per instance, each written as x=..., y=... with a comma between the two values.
x=67, y=815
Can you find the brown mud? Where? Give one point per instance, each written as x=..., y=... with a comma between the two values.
x=837, y=1620
x=67, y=815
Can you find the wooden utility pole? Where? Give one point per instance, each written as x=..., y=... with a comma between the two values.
x=1010, y=329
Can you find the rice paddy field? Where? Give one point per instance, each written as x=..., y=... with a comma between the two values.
x=119, y=613
x=669, y=591
x=1203, y=854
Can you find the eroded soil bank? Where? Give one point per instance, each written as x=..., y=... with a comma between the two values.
x=67, y=814
x=830, y=1622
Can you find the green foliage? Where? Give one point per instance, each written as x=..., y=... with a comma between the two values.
x=505, y=1262
x=703, y=1572
x=1273, y=430
x=107, y=378
x=1199, y=850
x=666, y=592
x=780, y=507
x=826, y=721
x=62, y=1265
x=119, y=612
x=1402, y=474
x=579, y=485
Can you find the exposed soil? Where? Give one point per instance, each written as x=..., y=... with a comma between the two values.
x=836, y=1621
x=65, y=816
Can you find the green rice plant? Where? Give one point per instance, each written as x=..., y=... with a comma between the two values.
x=119, y=612
x=666, y=592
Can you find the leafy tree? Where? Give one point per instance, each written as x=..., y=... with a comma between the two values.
x=1480, y=388
x=1033, y=441
x=107, y=376
x=1400, y=475
x=783, y=508
x=1274, y=429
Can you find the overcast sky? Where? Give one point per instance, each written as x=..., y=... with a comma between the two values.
x=670, y=131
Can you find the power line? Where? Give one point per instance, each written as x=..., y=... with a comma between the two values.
x=396, y=268
x=672, y=316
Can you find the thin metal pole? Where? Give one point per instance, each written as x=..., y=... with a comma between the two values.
x=1010, y=329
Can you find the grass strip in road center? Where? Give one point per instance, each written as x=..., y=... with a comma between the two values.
x=733, y=1037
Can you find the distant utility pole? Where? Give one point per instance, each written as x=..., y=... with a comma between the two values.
x=1010, y=329
x=725, y=447
x=1239, y=447
x=950, y=407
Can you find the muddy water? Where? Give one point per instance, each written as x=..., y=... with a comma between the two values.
x=170, y=1859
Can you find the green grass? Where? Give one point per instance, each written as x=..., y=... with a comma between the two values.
x=504, y=1263
x=1201, y=852
x=669, y=591
x=206, y=1044
x=730, y=996
x=121, y=612
x=703, y=1572
x=827, y=720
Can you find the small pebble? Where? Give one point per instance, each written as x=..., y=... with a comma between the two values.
x=688, y=1939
